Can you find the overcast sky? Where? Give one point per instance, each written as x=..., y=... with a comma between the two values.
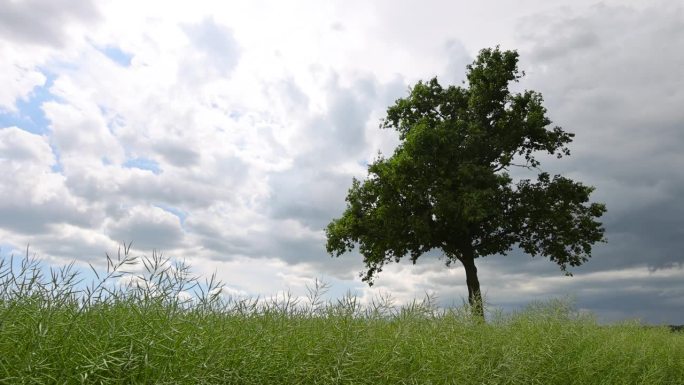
x=228, y=133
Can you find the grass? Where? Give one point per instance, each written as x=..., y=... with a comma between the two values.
x=142, y=328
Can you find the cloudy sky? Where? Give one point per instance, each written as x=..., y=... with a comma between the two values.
x=227, y=134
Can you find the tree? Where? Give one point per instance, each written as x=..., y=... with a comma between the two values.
x=447, y=186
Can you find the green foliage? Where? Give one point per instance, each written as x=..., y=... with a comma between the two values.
x=52, y=332
x=447, y=185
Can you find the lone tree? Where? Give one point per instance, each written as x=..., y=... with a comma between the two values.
x=447, y=185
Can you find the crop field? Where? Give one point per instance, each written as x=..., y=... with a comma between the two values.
x=143, y=328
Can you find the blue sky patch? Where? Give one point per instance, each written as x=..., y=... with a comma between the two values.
x=7, y=250
x=117, y=55
x=57, y=167
x=143, y=164
x=30, y=116
x=114, y=121
x=175, y=211
x=235, y=115
x=17, y=255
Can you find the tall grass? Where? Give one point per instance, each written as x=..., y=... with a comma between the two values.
x=143, y=328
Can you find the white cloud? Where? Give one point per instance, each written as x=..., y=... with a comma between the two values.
x=33, y=196
x=17, y=79
x=23, y=150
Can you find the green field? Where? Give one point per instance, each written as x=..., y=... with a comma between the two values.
x=119, y=330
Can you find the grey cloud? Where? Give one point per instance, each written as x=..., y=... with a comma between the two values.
x=617, y=92
x=655, y=234
x=311, y=196
x=457, y=60
x=277, y=243
x=390, y=92
x=313, y=190
x=270, y=243
x=30, y=219
x=213, y=38
x=610, y=88
x=648, y=297
x=298, y=250
x=340, y=133
x=637, y=300
x=190, y=188
x=147, y=229
x=178, y=154
x=43, y=22
x=654, y=297
x=570, y=36
x=224, y=247
x=80, y=244
x=220, y=52
x=292, y=96
x=174, y=191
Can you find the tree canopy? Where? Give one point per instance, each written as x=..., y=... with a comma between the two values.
x=447, y=185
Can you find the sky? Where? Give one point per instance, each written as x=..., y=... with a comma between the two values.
x=228, y=133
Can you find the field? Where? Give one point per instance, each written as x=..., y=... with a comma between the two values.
x=142, y=328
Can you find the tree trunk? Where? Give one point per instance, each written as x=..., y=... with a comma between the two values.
x=474, y=294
